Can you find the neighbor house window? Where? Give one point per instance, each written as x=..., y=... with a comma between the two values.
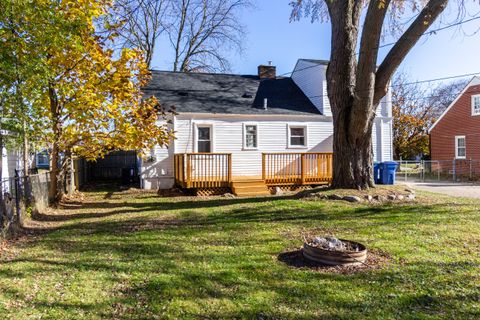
x=476, y=105
x=297, y=136
x=43, y=159
x=250, y=136
x=204, y=139
x=460, y=147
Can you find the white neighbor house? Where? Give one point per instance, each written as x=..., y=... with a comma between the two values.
x=246, y=116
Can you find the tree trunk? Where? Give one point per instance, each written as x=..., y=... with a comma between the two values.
x=26, y=165
x=352, y=155
x=54, y=190
x=352, y=147
x=70, y=172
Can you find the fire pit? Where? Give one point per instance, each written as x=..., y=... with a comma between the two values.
x=333, y=252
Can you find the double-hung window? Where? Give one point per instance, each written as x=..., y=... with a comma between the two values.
x=250, y=136
x=297, y=136
x=204, y=139
x=460, y=147
x=476, y=105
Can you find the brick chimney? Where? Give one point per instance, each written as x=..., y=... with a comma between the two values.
x=267, y=71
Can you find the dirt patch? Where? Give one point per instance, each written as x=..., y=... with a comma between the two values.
x=376, y=259
x=170, y=193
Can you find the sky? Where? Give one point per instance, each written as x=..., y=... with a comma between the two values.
x=271, y=37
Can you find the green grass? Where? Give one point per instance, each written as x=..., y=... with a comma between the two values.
x=138, y=256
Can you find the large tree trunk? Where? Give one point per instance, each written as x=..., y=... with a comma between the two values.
x=352, y=155
x=355, y=88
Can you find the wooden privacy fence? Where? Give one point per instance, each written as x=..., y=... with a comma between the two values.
x=203, y=170
x=297, y=168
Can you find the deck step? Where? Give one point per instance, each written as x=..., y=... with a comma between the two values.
x=248, y=188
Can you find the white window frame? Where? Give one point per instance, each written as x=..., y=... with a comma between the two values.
x=456, y=147
x=476, y=96
x=195, y=136
x=305, y=132
x=245, y=124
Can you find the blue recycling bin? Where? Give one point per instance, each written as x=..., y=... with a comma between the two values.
x=376, y=172
x=387, y=172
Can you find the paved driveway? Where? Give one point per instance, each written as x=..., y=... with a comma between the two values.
x=466, y=190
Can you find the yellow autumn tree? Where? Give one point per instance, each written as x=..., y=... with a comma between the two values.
x=413, y=113
x=90, y=98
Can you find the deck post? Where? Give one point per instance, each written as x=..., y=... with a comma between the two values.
x=328, y=173
x=302, y=166
x=189, y=169
x=229, y=168
x=263, y=167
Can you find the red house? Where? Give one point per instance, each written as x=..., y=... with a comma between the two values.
x=455, y=136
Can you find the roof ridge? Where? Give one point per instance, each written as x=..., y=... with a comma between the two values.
x=204, y=73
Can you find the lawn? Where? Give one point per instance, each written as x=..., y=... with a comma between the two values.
x=138, y=256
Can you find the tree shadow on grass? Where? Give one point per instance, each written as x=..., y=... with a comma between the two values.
x=386, y=294
x=265, y=211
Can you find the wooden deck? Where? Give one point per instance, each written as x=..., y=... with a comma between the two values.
x=214, y=170
x=203, y=170
x=297, y=168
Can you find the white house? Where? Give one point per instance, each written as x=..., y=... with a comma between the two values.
x=238, y=128
x=11, y=161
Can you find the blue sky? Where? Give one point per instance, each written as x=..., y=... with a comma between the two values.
x=270, y=36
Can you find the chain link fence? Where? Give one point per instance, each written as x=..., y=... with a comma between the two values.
x=20, y=196
x=456, y=170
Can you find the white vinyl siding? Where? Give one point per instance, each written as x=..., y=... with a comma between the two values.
x=460, y=147
x=272, y=136
x=310, y=78
x=158, y=171
x=271, y=133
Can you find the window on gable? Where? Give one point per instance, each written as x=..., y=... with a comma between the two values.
x=476, y=105
x=250, y=136
x=297, y=136
x=460, y=147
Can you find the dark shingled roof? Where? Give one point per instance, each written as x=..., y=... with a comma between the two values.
x=228, y=94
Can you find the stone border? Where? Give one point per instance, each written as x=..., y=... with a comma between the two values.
x=394, y=196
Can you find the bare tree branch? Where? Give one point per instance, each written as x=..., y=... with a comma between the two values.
x=406, y=42
x=144, y=21
x=204, y=32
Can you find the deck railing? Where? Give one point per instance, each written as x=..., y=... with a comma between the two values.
x=297, y=168
x=203, y=170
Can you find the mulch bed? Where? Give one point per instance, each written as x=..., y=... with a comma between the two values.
x=376, y=259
